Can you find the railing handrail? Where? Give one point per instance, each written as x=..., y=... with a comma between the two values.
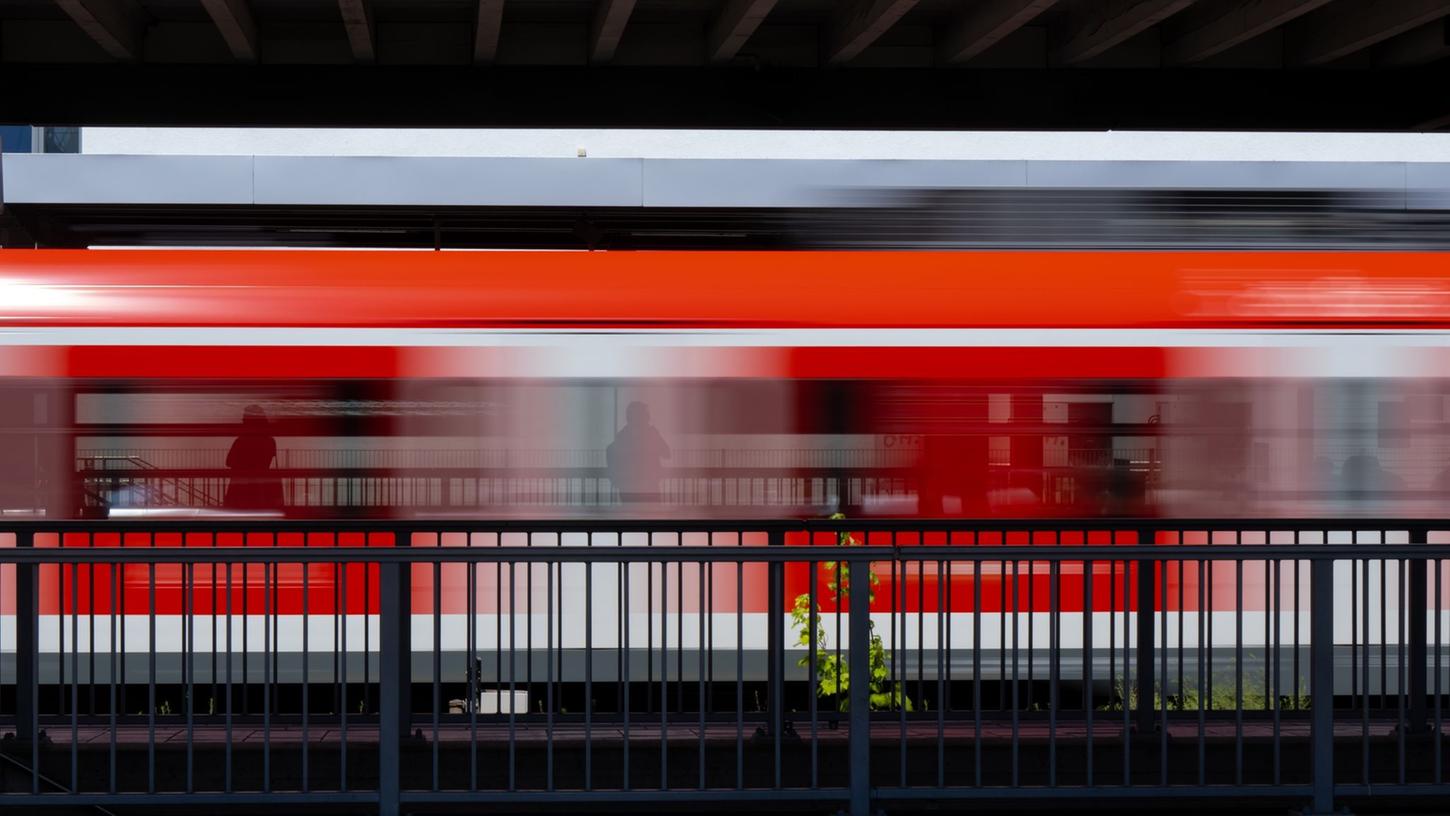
x=603, y=525
x=718, y=554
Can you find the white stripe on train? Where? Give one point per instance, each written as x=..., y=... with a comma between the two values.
x=250, y=634
x=722, y=338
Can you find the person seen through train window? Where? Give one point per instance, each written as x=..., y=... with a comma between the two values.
x=636, y=457
x=1364, y=477
x=252, y=485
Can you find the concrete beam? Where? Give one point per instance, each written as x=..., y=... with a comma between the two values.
x=1202, y=32
x=610, y=18
x=34, y=179
x=984, y=24
x=357, y=18
x=1344, y=29
x=733, y=26
x=863, y=22
x=1436, y=124
x=486, y=29
x=233, y=18
x=1112, y=22
x=1426, y=44
x=113, y=25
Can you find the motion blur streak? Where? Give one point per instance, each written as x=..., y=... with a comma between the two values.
x=766, y=384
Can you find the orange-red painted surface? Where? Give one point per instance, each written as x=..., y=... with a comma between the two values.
x=722, y=289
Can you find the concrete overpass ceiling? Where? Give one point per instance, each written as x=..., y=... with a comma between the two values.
x=902, y=33
x=963, y=46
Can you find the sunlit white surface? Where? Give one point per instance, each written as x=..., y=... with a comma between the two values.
x=773, y=144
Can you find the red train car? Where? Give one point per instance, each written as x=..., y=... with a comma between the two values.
x=729, y=384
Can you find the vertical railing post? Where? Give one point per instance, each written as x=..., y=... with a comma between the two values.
x=1145, y=712
x=27, y=640
x=1417, y=607
x=1321, y=651
x=859, y=669
x=775, y=645
x=393, y=679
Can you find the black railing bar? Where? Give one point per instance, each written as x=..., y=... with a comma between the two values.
x=651, y=721
x=1088, y=573
x=701, y=677
x=1343, y=789
x=1364, y=742
x=669, y=796
x=1239, y=671
x=1439, y=721
x=188, y=650
x=1165, y=792
x=75, y=671
x=898, y=669
x=513, y=667
x=151, y=675
x=306, y=678
x=437, y=591
x=1161, y=624
x=473, y=669
x=115, y=585
x=1402, y=725
x=745, y=524
x=210, y=798
x=717, y=554
x=550, y=620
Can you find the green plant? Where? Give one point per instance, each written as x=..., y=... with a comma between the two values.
x=1224, y=697
x=833, y=673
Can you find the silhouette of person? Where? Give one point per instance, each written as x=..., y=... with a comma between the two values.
x=635, y=458
x=252, y=485
x=1363, y=477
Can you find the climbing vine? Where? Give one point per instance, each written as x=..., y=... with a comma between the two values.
x=833, y=672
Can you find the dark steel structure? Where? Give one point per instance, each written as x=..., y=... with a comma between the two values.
x=670, y=721
x=1252, y=64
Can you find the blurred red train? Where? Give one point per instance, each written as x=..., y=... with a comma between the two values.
x=723, y=384
x=977, y=384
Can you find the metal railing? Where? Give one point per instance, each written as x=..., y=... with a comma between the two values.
x=489, y=479
x=407, y=666
x=360, y=478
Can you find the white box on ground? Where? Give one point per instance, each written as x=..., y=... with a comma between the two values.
x=503, y=702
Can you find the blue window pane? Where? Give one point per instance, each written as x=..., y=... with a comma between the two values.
x=15, y=138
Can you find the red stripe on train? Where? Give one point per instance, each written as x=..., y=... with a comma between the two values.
x=913, y=586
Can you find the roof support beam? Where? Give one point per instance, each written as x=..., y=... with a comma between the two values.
x=862, y=23
x=1341, y=30
x=1432, y=125
x=610, y=18
x=1201, y=34
x=357, y=18
x=233, y=18
x=485, y=33
x=1424, y=45
x=1112, y=23
x=985, y=24
x=733, y=27
x=112, y=25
